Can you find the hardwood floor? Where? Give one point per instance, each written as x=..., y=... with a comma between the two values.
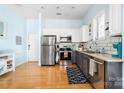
x=30, y=75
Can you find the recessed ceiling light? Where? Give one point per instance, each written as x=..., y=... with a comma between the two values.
x=42, y=7
x=73, y=7
x=57, y=7
x=58, y=13
x=18, y=5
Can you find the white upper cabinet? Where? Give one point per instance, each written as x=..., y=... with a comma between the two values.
x=115, y=19
x=94, y=29
x=85, y=33
x=74, y=33
x=98, y=26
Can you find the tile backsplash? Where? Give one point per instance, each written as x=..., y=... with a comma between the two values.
x=103, y=43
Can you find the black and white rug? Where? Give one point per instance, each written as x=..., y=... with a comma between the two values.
x=75, y=76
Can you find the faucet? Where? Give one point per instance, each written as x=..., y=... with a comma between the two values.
x=95, y=43
x=103, y=50
x=92, y=42
x=96, y=50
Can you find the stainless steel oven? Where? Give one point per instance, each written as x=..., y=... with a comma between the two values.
x=65, y=57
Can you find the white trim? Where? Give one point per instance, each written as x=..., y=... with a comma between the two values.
x=122, y=46
x=13, y=57
x=26, y=42
x=20, y=63
x=39, y=31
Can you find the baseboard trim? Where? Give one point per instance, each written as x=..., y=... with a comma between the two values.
x=20, y=63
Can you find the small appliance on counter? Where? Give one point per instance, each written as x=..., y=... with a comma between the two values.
x=118, y=47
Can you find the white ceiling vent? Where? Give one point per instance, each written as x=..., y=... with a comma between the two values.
x=58, y=13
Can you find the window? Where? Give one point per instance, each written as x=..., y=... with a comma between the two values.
x=94, y=29
x=98, y=26
x=101, y=26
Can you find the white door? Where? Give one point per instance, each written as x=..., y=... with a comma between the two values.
x=33, y=46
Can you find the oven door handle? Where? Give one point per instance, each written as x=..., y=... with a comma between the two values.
x=98, y=62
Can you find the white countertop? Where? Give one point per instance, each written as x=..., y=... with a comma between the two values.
x=104, y=57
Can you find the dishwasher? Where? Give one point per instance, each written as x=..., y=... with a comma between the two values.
x=97, y=76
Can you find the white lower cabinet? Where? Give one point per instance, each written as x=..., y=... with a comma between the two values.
x=7, y=63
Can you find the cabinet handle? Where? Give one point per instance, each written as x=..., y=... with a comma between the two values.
x=98, y=62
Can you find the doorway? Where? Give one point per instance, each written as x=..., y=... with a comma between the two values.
x=33, y=47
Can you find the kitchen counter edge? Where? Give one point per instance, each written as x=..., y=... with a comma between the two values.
x=104, y=57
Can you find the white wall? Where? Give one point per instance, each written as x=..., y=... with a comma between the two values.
x=93, y=11
x=75, y=33
x=62, y=23
x=16, y=26
x=32, y=25
x=63, y=27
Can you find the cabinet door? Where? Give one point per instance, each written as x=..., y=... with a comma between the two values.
x=85, y=66
x=76, y=35
x=115, y=19
x=85, y=33
x=74, y=57
x=78, y=59
x=81, y=63
x=113, y=75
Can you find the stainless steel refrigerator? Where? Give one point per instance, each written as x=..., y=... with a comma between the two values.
x=48, y=49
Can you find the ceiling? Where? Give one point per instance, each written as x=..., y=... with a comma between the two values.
x=52, y=11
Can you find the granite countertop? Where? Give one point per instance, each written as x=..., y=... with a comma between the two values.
x=104, y=57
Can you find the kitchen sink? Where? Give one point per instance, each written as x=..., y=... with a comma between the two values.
x=92, y=52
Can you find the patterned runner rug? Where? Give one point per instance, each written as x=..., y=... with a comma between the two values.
x=75, y=76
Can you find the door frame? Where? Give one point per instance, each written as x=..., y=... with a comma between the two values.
x=28, y=47
x=39, y=35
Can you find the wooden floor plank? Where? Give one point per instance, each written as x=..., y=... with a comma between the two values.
x=32, y=76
